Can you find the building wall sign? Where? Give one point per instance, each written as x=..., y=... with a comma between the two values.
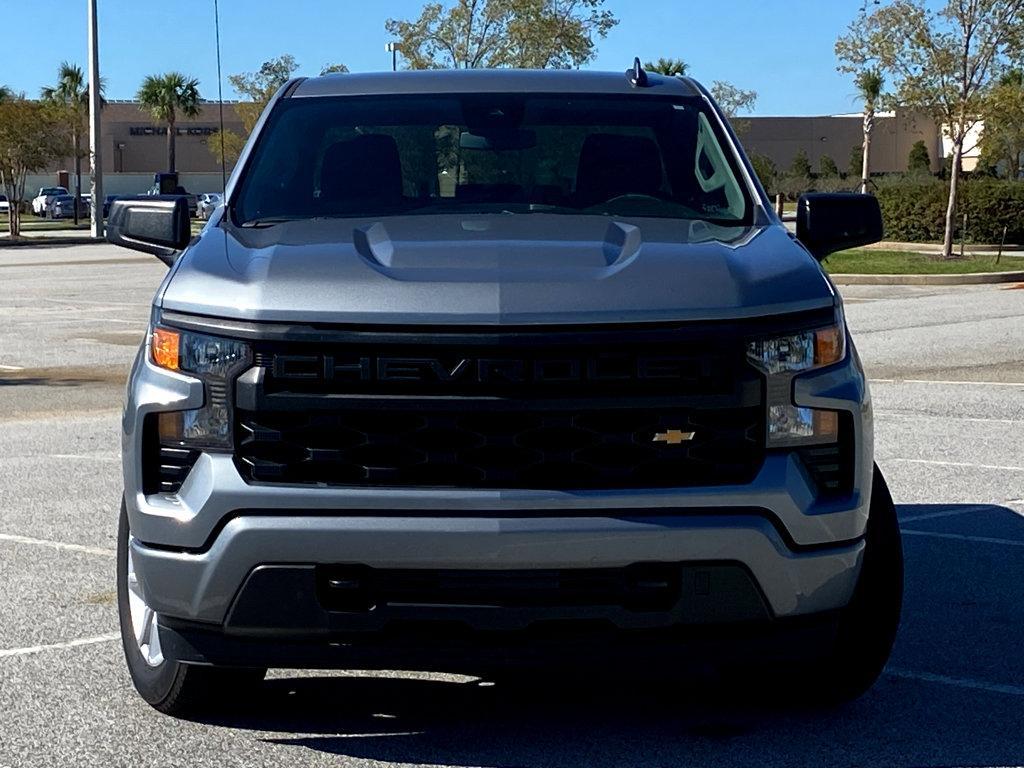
x=179, y=131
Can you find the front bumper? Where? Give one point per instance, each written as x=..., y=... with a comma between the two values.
x=197, y=551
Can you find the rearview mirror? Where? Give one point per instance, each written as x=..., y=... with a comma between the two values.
x=155, y=224
x=832, y=221
x=499, y=140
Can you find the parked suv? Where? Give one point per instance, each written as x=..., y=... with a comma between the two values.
x=482, y=369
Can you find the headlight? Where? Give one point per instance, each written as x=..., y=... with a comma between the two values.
x=782, y=357
x=215, y=361
x=799, y=352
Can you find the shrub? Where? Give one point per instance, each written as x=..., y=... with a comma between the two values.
x=914, y=209
x=827, y=166
x=856, y=161
x=918, y=159
x=801, y=165
x=766, y=171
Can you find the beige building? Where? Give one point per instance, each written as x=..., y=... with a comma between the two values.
x=893, y=136
x=133, y=142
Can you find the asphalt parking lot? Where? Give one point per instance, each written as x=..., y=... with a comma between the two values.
x=947, y=366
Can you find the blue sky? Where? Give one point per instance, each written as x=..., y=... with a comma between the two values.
x=780, y=48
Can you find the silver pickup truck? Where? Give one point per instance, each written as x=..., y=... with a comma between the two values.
x=477, y=370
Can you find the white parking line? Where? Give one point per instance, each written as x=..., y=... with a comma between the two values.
x=1011, y=468
x=964, y=537
x=4, y=367
x=983, y=420
x=945, y=382
x=962, y=683
x=946, y=513
x=58, y=545
x=64, y=645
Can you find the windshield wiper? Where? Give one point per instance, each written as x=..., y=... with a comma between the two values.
x=269, y=221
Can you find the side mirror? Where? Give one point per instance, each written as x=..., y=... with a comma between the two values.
x=833, y=221
x=155, y=224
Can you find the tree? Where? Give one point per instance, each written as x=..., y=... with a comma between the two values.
x=731, y=99
x=72, y=93
x=918, y=161
x=766, y=170
x=32, y=135
x=165, y=96
x=1002, y=138
x=869, y=84
x=257, y=89
x=536, y=34
x=6, y=93
x=943, y=62
x=801, y=165
x=827, y=167
x=332, y=69
x=856, y=160
x=670, y=67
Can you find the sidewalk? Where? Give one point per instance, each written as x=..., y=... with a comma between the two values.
x=932, y=249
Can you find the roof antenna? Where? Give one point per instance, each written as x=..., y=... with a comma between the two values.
x=220, y=102
x=637, y=76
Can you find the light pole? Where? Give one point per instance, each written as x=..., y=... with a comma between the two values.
x=392, y=48
x=95, y=159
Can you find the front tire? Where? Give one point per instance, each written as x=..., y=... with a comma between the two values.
x=867, y=626
x=171, y=687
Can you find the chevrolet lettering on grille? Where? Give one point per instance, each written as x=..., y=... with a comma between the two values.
x=481, y=370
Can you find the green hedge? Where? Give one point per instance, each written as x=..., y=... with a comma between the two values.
x=915, y=209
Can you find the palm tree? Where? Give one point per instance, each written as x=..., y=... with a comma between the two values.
x=167, y=95
x=72, y=92
x=669, y=67
x=869, y=88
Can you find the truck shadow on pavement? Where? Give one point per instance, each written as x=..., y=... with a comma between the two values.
x=953, y=695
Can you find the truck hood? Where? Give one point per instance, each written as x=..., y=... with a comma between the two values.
x=494, y=269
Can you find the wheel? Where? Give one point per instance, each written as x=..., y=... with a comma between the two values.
x=173, y=688
x=867, y=626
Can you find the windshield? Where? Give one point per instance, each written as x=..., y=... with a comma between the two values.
x=54, y=191
x=491, y=153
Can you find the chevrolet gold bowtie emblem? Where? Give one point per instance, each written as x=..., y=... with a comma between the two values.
x=672, y=437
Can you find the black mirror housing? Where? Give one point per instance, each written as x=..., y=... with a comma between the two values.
x=154, y=224
x=832, y=221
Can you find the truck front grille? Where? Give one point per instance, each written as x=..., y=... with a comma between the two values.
x=562, y=409
x=563, y=449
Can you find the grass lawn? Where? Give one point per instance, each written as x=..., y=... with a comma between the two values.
x=31, y=223
x=897, y=262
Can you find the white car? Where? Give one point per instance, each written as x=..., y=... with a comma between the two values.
x=42, y=201
x=207, y=202
x=5, y=207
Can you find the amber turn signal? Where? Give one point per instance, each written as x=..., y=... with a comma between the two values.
x=828, y=345
x=164, y=348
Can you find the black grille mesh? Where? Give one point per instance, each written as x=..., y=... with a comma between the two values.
x=613, y=448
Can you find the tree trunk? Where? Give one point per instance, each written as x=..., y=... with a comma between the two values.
x=171, y=136
x=78, y=171
x=954, y=178
x=865, y=174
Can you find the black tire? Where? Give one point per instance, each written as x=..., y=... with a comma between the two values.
x=867, y=626
x=175, y=688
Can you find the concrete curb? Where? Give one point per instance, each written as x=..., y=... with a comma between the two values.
x=962, y=279
x=70, y=240
x=936, y=248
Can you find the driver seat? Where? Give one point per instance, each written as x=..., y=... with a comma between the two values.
x=611, y=165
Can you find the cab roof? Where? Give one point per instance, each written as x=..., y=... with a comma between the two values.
x=433, y=81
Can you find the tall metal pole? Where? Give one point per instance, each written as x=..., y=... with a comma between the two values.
x=95, y=155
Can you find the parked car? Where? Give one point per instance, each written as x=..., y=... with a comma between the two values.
x=593, y=406
x=207, y=202
x=41, y=202
x=63, y=207
x=5, y=207
x=106, y=205
x=191, y=199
